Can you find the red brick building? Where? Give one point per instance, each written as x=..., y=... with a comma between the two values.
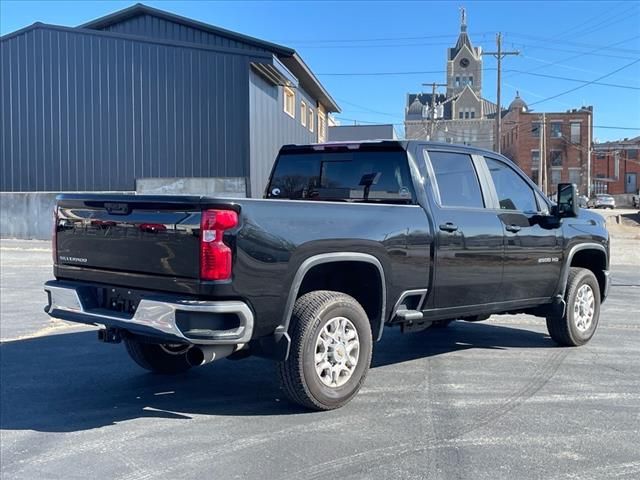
x=616, y=166
x=565, y=137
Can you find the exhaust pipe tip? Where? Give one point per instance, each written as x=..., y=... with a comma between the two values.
x=201, y=355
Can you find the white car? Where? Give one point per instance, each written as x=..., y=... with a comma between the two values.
x=602, y=201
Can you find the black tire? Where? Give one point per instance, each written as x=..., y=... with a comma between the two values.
x=298, y=377
x=165, y=359
x=565, y=330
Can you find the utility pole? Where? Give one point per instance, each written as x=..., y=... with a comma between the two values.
x=540, y=153
x=543, y=155
x=499, y=54
x=589, y=149
x=432, y=107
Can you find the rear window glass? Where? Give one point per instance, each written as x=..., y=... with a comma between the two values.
x=457, y=180
x=353, y=176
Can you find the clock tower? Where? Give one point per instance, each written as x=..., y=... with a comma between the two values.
x=461, y=115
x=464, y=63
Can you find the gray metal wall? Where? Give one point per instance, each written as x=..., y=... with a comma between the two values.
x=94, y=111
x=344, y=133
x=271, y=128
x=152, y=26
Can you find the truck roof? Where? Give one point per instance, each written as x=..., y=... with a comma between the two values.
x=384, y=144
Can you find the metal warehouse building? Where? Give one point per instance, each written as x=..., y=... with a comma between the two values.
x=143, y=93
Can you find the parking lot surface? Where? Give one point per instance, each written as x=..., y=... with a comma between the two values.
x=496, y=399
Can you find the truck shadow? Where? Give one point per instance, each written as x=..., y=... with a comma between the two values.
x=70, y=382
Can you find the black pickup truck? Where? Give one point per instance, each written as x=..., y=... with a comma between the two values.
x=349, y=239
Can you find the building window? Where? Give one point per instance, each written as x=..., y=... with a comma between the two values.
x=556, y=176
x=632, y=154
x=574, y=176
x=535, y=158
x=535, y=129
x=460, y=115
x=303, y=114
x=457, y=81
x=466, y=114
x=473, y=113
x=289, y=102
x=556, y=129
x=556, y=158
x=470, y=79
x=534, y=175
x=322, y=128
x=311, y=120
x=575, y=132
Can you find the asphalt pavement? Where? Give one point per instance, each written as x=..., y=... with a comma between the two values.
x=486, y=400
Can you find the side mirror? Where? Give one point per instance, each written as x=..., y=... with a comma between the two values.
x=567, y=200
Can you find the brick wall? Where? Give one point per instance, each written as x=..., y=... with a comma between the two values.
x=616, y=167
x=567, y=135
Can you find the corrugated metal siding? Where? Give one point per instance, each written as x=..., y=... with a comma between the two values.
x=83, y=112
x=271, y=128
x=152, y=26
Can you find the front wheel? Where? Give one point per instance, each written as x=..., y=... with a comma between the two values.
x=331, y=347
x=158, y=358
x=582, y=312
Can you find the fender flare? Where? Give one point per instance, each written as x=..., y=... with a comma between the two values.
x=309, y=263
x=564, y=274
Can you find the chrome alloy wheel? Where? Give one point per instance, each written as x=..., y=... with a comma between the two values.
x=337, y=352
x=583, y=308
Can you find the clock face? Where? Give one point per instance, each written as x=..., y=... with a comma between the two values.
x=464, y=63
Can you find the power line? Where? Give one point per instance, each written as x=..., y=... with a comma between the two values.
x=573, y=57
x=586, y=84
x=380, y=45
x=381, y=39
x=630, y=87
x=367, y=108
x=576, y=44
x=521, y=72
x=620, y=17
x=381, y=74
x=369, y=122
x=566, y=50
x=584, y=23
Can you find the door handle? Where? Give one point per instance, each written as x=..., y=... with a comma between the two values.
x=448, y=227
x=513, y=228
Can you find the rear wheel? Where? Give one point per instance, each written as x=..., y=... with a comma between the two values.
x=331, y=347
x=582, y=312
x=158, y=358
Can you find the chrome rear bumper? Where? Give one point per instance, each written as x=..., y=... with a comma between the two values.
x=152, y=316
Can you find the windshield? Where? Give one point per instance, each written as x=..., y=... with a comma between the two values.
x=354, y=176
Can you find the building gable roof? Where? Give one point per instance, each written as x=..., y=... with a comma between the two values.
x=140, y=9
x=287, y=56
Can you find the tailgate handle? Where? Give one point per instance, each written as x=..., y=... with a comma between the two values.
x=117, y=208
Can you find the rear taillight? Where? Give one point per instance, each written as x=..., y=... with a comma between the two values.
x=215, y=256
x=54, y=236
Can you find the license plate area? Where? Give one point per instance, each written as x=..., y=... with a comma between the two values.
x=121, y=300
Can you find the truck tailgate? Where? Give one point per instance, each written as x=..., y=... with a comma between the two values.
x=154, y=235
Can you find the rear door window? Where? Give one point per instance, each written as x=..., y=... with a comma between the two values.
x=456, y=179
x=353, y=176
